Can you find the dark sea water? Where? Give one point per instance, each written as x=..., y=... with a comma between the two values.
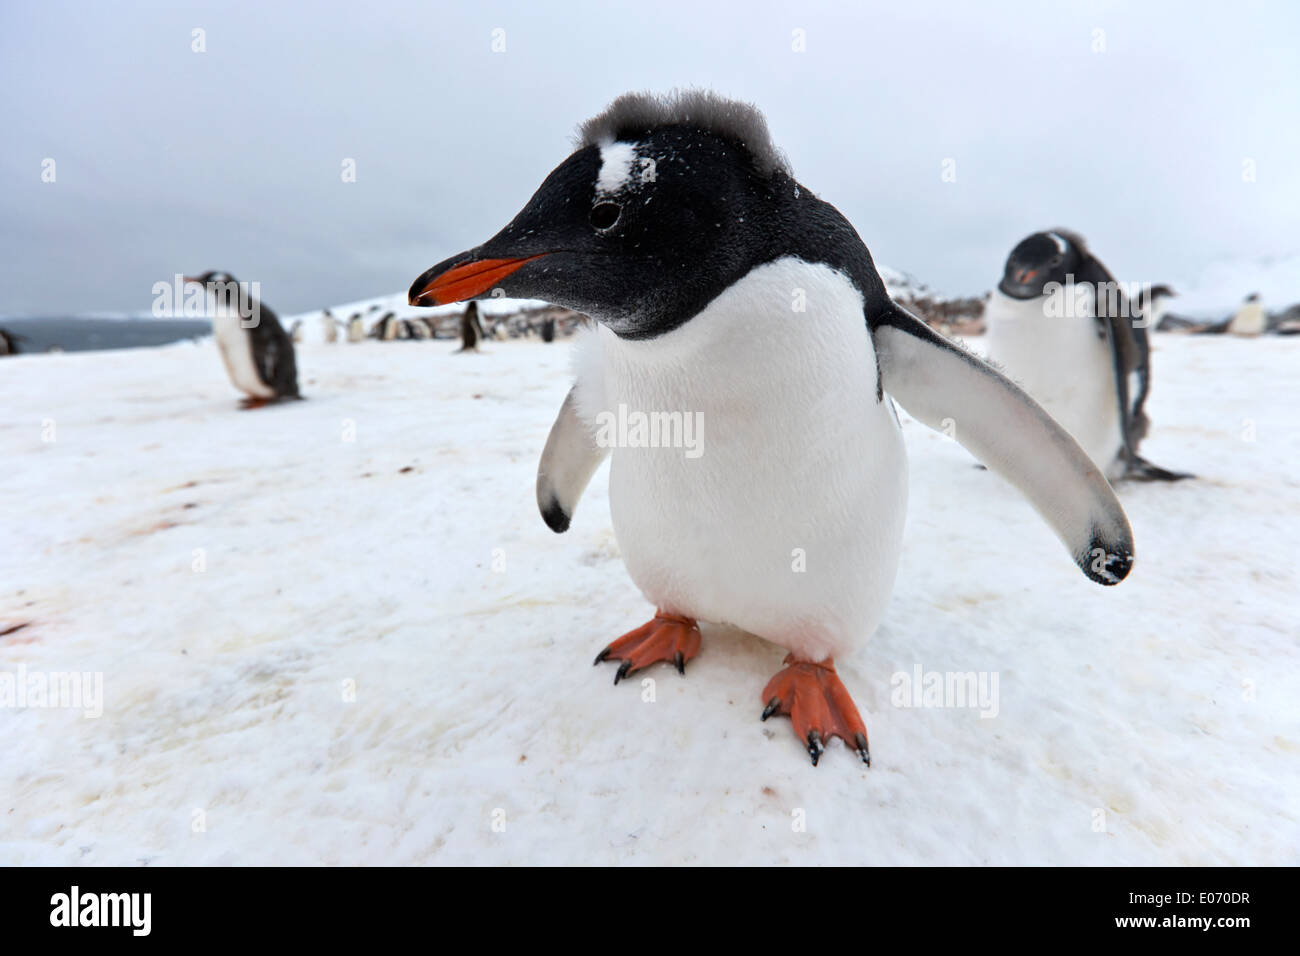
x=91, y=334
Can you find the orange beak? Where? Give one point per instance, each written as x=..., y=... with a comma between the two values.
x=464, y=281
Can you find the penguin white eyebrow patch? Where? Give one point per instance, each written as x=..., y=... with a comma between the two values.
x=616, y=160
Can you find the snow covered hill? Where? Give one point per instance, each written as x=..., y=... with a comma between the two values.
x=337, y=631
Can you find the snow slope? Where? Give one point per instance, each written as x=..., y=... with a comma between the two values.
x=1151, y=723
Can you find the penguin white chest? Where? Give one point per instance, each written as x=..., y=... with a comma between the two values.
x=236, y=348
x=1064, y=365
x=780, y=506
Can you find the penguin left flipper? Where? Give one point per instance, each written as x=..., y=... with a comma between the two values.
x=953, y=391
x=569, y=460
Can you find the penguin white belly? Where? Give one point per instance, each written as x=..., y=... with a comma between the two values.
x=236, y=350
x=1064, y=365
x=786, y=516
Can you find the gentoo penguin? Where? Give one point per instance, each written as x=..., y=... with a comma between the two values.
x=295, y=332
x=418, y=328
x=257, y=352
x=678, y=227
x=1153, y=304
x=386, y=329
x=356, y=328
x=1060, y=326
x=471, y=330
x=330, y=327
x=8, y=343
x=1250, y=318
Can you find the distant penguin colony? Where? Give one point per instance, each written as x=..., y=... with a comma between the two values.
x=1060, y=326
x=679, y=228
x=257, y=353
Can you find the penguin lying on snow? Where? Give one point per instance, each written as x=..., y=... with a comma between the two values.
x=678, y=227
x=1081, y=355
x=257, y=352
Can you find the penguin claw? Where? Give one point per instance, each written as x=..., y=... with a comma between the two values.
x=815, y=747
x=819, y=707
x=668, y=637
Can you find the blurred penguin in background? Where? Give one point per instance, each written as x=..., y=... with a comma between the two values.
x=257, y=352
x=1250, y=319
x=8, y=343
x=356, y=328
x=471, y=329
x=1062, y=328
x=1153, y=304
x=330, y=327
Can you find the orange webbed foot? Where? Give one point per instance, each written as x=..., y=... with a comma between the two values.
x=818, y=704
x=668, y=637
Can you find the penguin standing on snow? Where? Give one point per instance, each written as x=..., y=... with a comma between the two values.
x=8, y=343
x=677, y=226
x=1250, y=318
x=329, y=327
x=1061, y=327
x=356, y=328
x=257, y=352
x=471, y=329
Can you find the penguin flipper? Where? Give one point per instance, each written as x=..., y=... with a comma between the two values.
x=569, y=460
x=953, y=391
x=1130, y=354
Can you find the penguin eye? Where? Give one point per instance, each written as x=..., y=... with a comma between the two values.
x=605, y=214
x=1056, y=261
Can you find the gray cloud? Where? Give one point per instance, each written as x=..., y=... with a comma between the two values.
x=170, y=160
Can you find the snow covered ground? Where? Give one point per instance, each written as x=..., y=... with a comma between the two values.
x=336, y=631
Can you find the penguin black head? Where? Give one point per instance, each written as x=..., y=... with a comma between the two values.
x=666, y=202
x=1039, y=259
x=213, y=276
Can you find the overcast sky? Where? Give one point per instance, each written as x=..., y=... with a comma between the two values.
x=168, y=160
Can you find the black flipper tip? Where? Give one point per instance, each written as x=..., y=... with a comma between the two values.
x=556, y=518
x=1107, y=563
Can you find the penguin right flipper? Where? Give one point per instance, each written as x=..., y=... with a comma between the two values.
x=941, y=384
x=569, y=460
x=1130, y=354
